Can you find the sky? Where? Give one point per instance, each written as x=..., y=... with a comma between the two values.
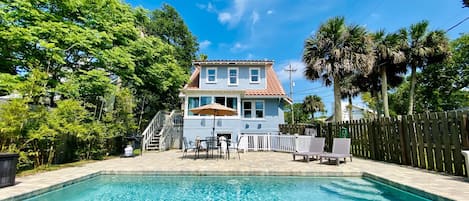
x=276, y=29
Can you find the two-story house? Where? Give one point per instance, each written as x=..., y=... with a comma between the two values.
x=251, y=87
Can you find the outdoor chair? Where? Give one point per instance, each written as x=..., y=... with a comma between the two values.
x=211, y=145
x=188, y=147
x=315, y=149
x=340, y=149
x=235, y=147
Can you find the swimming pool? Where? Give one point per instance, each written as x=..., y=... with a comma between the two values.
x=160, y=187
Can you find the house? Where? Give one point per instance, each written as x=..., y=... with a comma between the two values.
x=251, y=87
x=358, y=112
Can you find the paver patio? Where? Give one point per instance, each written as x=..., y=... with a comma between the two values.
x=264, y=163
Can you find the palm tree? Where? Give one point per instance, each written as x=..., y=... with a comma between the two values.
x=334, y=51
x=390, y=56
x=348, y=90
x=424, y=48
x=465, y=3
x=312, y=104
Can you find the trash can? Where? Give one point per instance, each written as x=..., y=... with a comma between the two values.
x=343, y=132
x=465, y=153
x=8, y=169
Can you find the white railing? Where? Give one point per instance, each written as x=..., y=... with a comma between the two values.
x=282, y=143
x=149, y=132
x=169, y=129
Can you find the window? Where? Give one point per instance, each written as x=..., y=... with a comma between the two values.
x=193, y=102
x=254, y=75
x=211, y=75
x=253, y=109
x=247, y=112
x=232, y=76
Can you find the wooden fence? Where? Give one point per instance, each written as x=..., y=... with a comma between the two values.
x=431, y=141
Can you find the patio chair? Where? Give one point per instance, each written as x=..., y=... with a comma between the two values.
x=340, y=149
x=315, y=149
x=235, y=147
x=188, y=147
x=211, y=145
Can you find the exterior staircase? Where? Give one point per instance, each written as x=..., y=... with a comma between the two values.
x=163, y=131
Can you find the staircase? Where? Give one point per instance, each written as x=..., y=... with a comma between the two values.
x=162, y=131
x=355, y=190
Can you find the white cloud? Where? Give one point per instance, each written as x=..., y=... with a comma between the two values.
x=254, y=17
x=209, y=7
x=233, y=15
x=270, y=12
x=238, y=47
x=284, y=76
x=224, y=17
x=250, y=56
x=204, y=44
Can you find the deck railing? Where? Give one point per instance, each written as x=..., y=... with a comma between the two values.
x=281, y=143
x=172, y=125
x=155, y=124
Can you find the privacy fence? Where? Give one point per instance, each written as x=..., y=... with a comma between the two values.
x=431, y=141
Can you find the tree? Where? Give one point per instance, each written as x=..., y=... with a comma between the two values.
x=313, y=104
x=300, y=115
x=390, y=58
x=170, y=27
x=425, y=47
x=348, y=90
x=334, y=51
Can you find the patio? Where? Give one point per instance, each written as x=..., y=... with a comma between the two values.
x=259, y=163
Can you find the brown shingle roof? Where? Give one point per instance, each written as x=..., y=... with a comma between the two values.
x=274, y=88
x=194, y=80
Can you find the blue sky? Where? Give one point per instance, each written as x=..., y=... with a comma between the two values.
x=276, y=29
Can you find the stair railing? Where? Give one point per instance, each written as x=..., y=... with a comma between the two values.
x=169, y=129
x=149, y=132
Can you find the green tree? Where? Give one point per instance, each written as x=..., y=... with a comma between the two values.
x=348, y=90
x=313, y=104
x=390, y=58
x=300, y=115
x=425, y=47
x=334, y=51
x=168, y=25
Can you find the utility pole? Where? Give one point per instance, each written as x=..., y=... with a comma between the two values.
x=290, y=70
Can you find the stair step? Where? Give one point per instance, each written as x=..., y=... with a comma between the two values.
x=352, y=194
x=357, y=188
x=358, y=182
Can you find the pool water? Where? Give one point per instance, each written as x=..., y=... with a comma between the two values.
x=143, y=187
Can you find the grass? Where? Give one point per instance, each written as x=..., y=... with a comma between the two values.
x=53, y=167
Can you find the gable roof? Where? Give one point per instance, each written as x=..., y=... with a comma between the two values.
x=273, y=85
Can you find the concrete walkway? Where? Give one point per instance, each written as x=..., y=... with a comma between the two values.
x=259, y=163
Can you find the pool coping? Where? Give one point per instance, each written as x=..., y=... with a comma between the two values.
x=365, y=175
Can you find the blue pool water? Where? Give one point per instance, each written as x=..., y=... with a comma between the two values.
x=142, y=187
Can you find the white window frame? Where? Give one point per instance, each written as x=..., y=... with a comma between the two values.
x=253, y=109
x=212, y=97
x=216, y=72
x=258, y=75
x=229, y=76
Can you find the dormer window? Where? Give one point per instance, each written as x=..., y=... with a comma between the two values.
x=254, y=75
x=211, y=75
x=232, y=76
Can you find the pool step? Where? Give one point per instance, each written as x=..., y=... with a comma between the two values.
x=355, y=182
x=356, y=187
x=351, y=194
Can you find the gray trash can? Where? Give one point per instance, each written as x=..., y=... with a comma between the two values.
x=8, y=169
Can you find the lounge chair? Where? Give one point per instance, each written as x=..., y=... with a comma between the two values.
x=340, y=149
x=315, y=149
x=187, y=147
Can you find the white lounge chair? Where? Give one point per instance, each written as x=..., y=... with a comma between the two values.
x=315, y=149
x=340, y=149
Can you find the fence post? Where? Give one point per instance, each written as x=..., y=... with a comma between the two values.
x=403, y=137
x=464, y=132
x=296, y=143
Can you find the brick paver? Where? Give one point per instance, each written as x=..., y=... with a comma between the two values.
x=263, y=163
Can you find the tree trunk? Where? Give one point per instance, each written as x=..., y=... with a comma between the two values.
x=337, y=99
x=350, y=115
x=384, y=91
x=413, y=80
